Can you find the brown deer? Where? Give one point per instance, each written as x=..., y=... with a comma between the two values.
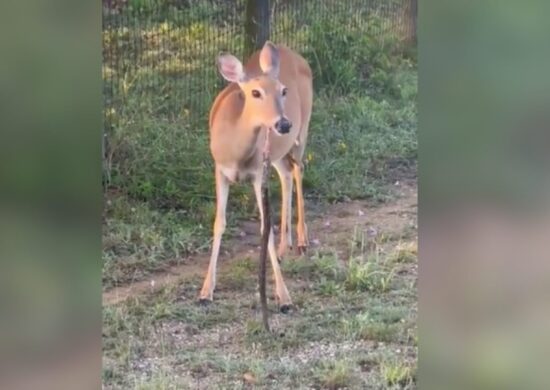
x=271, y=96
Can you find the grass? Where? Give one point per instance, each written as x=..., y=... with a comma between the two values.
x=336, y=375
x=363, y=327
x=369, y=275
x=351, y=339
x=397, y=374
x=138, y=239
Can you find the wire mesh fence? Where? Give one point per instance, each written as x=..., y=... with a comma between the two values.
x=165, y=50
x=160, y=74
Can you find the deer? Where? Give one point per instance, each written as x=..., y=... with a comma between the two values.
x=270, y=96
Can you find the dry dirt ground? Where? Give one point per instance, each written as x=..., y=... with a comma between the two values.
x=353, y=324
x=332, y=227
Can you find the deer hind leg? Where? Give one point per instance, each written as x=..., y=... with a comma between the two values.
x=281, y=292
x=301, y=227
x=222, y=193
x=284, y=169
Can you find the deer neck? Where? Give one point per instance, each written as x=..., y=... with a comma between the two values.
x=247, y=134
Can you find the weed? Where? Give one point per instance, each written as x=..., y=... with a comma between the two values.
x=328, y=266
x=254, y=328
x=363, y=327
x=335, y=375
x=369, y=275
x=397, y=374
x=328, y=288
x=405, y=252
x=300, y=267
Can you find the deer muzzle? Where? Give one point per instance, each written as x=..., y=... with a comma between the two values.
x=283, y=126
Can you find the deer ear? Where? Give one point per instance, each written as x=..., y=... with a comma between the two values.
x=230, y=68
x=269, y=59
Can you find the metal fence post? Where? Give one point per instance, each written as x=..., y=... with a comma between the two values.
x=256, y=25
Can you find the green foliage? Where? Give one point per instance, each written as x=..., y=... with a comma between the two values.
x=398, y=374
x=369, y=275
x=138, y=239
x=364, y=327
x=352, y=139
x=328, y=288
x=348, y=60
x=333, y=375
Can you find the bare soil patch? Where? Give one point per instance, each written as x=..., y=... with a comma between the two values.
x=330, y=227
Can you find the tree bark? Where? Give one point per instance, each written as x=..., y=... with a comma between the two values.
x=256, y=25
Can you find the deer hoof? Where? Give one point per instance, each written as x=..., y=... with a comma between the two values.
x=302, y=249
x=204, y=302
x=285, y=308
x=283, y=250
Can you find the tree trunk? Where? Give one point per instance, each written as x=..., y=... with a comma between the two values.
x=256, y=25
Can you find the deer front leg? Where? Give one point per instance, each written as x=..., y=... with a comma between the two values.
x=301, y=227
x=285, y=175
x=281, y=292
x=222, y=193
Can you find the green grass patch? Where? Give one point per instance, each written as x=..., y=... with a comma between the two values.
x=138, y=239
x=165, y=339
x=333, y=375
x=328, y=288
x=369, y=274
x=398, y=374
x=239, y=276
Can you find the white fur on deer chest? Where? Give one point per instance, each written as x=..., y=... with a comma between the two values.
x=235, y=174
x=230, y=172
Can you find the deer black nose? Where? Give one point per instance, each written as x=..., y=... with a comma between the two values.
x=283, y=126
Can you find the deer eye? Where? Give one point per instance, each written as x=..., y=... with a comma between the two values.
x=256, y=94
x=285, y=90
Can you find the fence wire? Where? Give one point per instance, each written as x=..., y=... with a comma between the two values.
x=159, y=55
